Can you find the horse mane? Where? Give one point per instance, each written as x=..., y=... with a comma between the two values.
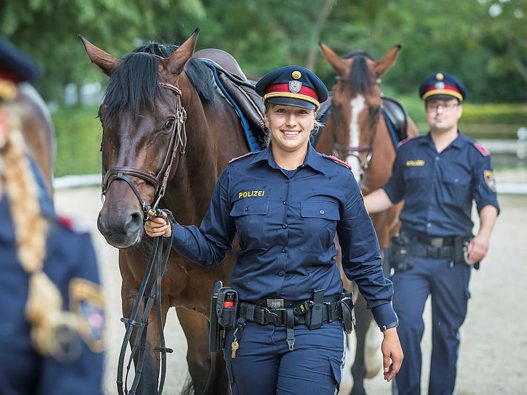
x=361, y=77
x=135, y=83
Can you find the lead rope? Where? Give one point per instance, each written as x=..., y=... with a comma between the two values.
x=158, y=261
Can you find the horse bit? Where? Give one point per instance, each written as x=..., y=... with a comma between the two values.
x=158, y=259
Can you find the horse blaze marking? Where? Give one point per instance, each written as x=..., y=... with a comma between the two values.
x=357, y=105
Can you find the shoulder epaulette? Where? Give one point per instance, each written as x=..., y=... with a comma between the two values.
x=403, y=142
x=74, y=224
x=337, y=160
x=242, y=156
x=482, y=150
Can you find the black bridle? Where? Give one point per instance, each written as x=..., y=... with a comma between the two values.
x=150, y=289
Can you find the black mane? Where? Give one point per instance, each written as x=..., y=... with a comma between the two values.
x=135, y=83
x=361, y=77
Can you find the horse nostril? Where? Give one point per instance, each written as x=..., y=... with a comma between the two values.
x=135, y=222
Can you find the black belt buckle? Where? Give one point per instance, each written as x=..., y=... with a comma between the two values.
x=274, y=316
x=275, y=303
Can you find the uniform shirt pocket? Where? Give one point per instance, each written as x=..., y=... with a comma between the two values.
x=250, y=217
x=319, y=224
x=457, y=190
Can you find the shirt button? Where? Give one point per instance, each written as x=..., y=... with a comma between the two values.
x=437, y=157
x=284, y=226
x=284, y=202
x=428, y=225
x=322, y=212
x=246, y=208
x=281, y=273
x=287, y=181
x=284, y=250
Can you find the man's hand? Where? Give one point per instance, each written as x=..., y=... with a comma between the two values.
x=478, y=248
x=392, y=353
x=158, y=226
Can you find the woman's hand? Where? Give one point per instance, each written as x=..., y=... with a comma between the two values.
x=158, y=226
x=392, y=353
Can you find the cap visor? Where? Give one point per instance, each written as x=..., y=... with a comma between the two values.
x=291, y=101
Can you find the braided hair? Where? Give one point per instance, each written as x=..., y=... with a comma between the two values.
x=44, y=305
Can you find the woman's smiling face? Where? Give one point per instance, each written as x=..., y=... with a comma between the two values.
x=290, y=126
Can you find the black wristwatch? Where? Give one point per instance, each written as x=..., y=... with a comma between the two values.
x=394, y=324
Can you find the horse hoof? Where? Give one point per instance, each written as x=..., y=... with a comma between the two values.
x=358, y=391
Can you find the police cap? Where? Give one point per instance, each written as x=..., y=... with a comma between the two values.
x=442, y=84
x=293, y=86
x=15, y=67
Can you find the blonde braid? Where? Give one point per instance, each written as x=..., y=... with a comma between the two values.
x=44, y=306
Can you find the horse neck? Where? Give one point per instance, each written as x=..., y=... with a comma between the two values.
x=383, y=154
x=207, y=153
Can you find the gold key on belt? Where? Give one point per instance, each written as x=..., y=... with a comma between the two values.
x=234, y=347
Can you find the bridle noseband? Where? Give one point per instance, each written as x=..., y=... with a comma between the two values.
x=160, y=180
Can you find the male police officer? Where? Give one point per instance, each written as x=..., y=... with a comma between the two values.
x=50, y=300
x=438, y=176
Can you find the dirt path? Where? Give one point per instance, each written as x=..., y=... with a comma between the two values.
x=493, y=353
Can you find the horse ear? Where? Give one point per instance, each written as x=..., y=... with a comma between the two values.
x=176, y=62
x=381, y=66
x=338, y=63
x=106, y=62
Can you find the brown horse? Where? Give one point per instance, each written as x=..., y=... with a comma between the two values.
x=37, y=130
x=356, y=133
x=151, y=91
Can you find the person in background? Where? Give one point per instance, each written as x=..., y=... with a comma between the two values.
x=50, y=300
x=286, y=203
x=438, y=176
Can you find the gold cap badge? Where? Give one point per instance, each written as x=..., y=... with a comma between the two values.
x=296, y=74
x=440, y=77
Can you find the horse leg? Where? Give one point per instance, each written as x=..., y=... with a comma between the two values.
x=209, y=375
x=358, y=370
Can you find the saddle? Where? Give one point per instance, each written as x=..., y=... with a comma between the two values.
x=396, y=117
x=238, y=90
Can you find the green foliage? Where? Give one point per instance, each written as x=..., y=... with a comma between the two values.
x=78, y=136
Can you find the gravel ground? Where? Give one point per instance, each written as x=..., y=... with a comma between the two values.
x=493, y=349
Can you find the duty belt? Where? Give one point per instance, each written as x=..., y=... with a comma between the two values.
x=278, y=317
x=432, y=241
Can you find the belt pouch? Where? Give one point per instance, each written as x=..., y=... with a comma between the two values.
x=226, y=307
x=315, y=315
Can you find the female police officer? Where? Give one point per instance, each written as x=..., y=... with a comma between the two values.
x=286, y=203
x=50, y=303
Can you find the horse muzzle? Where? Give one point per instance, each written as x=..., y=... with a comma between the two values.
x=121, y=228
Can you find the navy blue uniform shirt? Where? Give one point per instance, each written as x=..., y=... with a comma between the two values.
x=438, y=188
x=286, y=222
x=70, y=264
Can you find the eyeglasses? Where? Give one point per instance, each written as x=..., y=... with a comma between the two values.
x=445, y=107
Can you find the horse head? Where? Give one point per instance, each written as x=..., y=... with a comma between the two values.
x=143, y=124
x=356, y=104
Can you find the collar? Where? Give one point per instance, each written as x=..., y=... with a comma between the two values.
x=459, y=142
x=313, y=159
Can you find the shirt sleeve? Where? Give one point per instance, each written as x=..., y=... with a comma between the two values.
x=484, y=186
x=394, y=188
x=208, y=244
x=361, y=257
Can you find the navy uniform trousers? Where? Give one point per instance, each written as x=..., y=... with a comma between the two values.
x=265, y=366
x=447, y=283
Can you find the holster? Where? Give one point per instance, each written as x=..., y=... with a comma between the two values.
x=397, y=256
x=461, y=250
x=347, y=312
x=214, y=328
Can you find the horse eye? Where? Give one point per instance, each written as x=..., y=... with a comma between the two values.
x=169, y=124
